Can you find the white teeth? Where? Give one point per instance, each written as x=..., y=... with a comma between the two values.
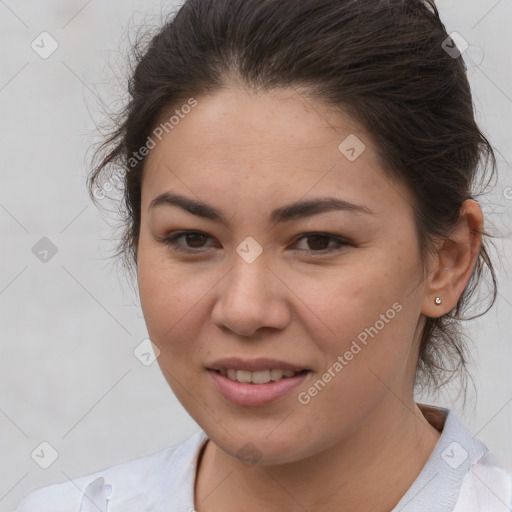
x=261, y=377
x=243, y=376
x=276, y=374
x=258, y=377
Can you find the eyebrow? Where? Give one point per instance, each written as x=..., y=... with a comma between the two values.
x=298, y=210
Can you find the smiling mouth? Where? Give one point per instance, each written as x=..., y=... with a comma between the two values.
x=258, y=377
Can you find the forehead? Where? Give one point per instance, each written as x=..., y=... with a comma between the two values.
x=282, y=143
x=278, y=121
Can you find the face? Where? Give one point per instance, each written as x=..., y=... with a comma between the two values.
x=323, y=300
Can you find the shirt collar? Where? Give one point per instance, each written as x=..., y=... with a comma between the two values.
x=438, y=485
x=436, y=488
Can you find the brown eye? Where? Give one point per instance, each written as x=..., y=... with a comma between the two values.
x=193, y=240
x=319, y=243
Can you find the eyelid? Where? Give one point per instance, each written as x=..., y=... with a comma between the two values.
x=341, y=242
x=171, y=239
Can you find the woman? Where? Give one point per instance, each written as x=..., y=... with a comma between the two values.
x=298, y=185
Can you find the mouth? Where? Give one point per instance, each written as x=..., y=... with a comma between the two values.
x=259, y=376
x=256, y=382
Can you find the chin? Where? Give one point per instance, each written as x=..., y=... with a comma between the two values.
x=263, y=447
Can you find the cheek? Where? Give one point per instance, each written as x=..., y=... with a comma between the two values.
x=368, y=357
x=354, y=298
x=173, y=298
x=171, y=321
x=371, y=315
x=161, y=291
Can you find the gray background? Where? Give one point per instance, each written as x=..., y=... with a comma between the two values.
x=69, y=326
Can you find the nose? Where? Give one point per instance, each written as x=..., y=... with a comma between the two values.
x=250, y=298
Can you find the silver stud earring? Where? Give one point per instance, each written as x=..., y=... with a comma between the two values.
x=438, y=300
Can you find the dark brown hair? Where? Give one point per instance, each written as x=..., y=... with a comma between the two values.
x=382, y=62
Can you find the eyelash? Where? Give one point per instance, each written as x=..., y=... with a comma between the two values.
x=171, y=241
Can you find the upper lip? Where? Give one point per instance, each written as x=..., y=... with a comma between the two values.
x=253, y=365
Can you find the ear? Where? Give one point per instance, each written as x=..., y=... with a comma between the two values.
x=454, y=262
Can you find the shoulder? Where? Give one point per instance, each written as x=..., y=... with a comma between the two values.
x=134, y=485
x=487, y=487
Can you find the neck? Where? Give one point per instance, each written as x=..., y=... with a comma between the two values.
x=371, y=469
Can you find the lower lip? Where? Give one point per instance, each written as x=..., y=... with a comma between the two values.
x=240, y=393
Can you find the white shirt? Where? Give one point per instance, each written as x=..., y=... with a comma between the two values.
x=461, y=475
